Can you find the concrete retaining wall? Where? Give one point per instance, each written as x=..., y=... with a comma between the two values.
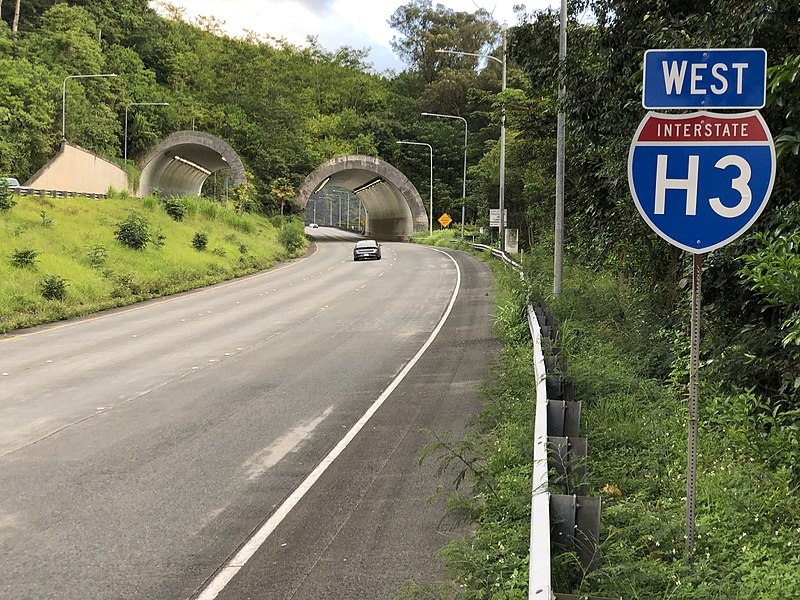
x=74, y=169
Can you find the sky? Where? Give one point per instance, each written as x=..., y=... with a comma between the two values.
x=336, y=23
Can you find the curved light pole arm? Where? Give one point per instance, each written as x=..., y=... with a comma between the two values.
x=456, y=52
x=501, y=200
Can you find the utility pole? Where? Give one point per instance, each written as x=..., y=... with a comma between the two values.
x=558, y=260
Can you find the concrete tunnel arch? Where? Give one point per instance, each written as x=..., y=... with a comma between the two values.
x=180, y=164
x=393, y=205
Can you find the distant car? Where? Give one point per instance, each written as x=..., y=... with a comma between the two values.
x=314, y=226
x=10, y=182
x=367, y=250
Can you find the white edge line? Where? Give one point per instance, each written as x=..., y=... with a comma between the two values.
x=229, y=571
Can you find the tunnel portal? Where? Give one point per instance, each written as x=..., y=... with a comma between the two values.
x=182, y=162
x=392, y=204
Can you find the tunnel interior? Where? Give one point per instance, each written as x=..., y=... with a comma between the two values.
x=393, y=209
x=183, y=161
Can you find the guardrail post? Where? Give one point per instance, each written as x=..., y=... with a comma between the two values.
x=576, y=526
x=565, y=521
x=567, y=458
x=563, y=418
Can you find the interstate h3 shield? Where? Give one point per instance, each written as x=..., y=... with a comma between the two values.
x=701, y=180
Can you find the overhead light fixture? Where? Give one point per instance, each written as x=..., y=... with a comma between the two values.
x=322, y=185
x=368, y=185
x=191, y=164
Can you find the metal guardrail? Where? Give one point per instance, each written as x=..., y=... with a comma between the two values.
x=577, y=518
x=539, y=580
x=26, y=191
x=499, y=254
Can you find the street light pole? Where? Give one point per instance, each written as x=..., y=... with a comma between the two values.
x=125, y=143
x=430, y=148
x=502, y=232
x=64, y=98
x=314, y=200
x=464, y=179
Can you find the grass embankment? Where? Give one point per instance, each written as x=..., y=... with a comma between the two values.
x=630, y=371
x=44, y=240
x=450, y=237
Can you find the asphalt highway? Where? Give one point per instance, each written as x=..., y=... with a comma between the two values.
x=256, y=439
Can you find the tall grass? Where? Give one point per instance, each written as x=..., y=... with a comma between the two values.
x=439, y=237
x=628, y=360
x=76, y=242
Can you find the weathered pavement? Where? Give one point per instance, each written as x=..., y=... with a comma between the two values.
x=367, y=525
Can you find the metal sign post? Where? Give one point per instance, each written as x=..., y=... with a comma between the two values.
x=694, y=365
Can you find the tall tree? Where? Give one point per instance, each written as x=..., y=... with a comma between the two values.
x=424, y=30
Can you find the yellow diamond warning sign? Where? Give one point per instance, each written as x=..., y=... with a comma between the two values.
x=445, y=220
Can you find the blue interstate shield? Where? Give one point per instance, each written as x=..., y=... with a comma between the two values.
x=701, y=180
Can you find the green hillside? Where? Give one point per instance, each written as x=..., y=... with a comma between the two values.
x=44, y=241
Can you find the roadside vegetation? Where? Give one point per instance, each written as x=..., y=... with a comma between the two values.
x=63, y=258
x=629, y=358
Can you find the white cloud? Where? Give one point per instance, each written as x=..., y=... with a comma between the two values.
x=355, y=23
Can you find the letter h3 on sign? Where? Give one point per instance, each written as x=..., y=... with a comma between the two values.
x=701, y=179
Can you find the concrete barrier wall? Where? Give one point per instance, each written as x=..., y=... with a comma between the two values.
x=74, y=169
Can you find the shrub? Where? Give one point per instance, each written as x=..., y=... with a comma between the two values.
x=6, y=199
x=97, y=255
x=174, y=207
x=53, y=287
x=218, y=251
x=25, y=258
x=150, y=202
x=292, y=236
x=200, y=241
x=159, y=239
x=46, y=221
x=133, y=232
